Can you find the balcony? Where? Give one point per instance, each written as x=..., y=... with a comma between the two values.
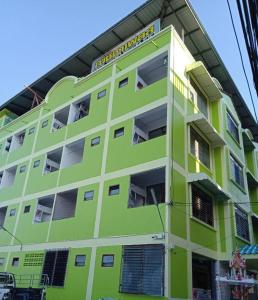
x=204, y=126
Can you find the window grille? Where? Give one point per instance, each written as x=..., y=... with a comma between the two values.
x=242, y=226
x=202, y=206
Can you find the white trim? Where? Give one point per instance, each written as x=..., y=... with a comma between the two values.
x=101, y=186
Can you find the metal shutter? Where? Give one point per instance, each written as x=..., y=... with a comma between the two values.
x=60, y=268
x=55, y=266
x=49, y=264
x=143, y=270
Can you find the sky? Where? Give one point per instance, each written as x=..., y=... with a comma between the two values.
x=37, y=35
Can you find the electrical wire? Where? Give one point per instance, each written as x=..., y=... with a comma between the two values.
x=248, y=13
x=242, y=62
x=175, y=203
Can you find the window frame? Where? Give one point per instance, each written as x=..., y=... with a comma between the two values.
x=195, y=100
x=12, y=212
x=15, y=260
x=31, y=130
x=205, y=192
x=243, y=212
x=44, y=124
x=107, y=266
x=232, y=158
x=26, y=209
x=210, y=167
x=22, y=169
x=100, y=95
x=113, y=186
x=36, y=163
x=84, y=262
x=233, y=120
x=88, y=199
x=2, y=261
x=92, y=144
x=115, y=136
x=123, y=82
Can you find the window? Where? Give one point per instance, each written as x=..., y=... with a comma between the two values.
x=31, y=130
x=55, y=266
x=12, y=212
x=143, y=270
x=147, y=188
x=107, y=260
x=123, y=82
x=202, y=206
x=73, y=153
x=88, y=195
x=8, y=144
x=44, y=209
x=80, y=109
x=36, y=163
x=80, y=260
x=53, y=161
x=65, y=205
x=150, y=125
x=8, y=177
x=242, y=225
x=60, y=118
x=17, y=140
x=119, y=132
x=201, y=100
x=152, y=71
x=95, y=141
x=237, y=171
x=15, y=261
x=3, y=211
x=101, y=94
x=232, y=126
x=22, y=169
x=2, y=261
x=114, y=190
x=44, y=124
x=26, y=209
x=200, y=148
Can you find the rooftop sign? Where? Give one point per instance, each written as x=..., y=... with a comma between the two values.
x=127, y=45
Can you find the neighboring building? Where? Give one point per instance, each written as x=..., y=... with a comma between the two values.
x=82, y=172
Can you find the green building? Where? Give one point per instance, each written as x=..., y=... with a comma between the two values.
x=137, y=175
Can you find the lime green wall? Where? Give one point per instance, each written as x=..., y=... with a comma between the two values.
x=110, y=214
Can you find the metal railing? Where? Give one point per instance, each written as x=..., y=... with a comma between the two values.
x=31, y=280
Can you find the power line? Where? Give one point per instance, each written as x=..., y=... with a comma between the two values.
x=248, y=13
x=241, y=57
x=175, y=203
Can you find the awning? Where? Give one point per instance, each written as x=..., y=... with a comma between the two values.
x=249, y=250
x=252, y=181
x=198, y=71
x=202, y=180
x=248, y=139
x=201, y=122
